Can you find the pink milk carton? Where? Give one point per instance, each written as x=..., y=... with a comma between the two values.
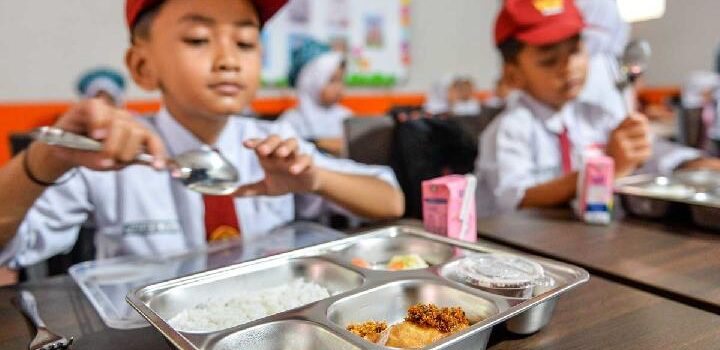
x=595, y=189
x=449, y=206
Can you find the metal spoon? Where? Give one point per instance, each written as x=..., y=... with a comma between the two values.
x=634, y=63
x=203, y=170
x=635, y=59
x=44, y=339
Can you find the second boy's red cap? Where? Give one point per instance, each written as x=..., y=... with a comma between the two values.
x=538, y=22
x=266, y=9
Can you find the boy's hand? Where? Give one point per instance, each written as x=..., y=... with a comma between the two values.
x=701, y=164
x=122, y=136
x=286, y=170
x=630, y=145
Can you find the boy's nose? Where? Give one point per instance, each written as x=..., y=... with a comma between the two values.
x=226, y=59
x=228, y=66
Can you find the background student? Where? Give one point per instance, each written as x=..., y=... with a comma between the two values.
x=318, y=74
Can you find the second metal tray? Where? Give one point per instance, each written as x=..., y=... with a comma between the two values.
x=654, y=197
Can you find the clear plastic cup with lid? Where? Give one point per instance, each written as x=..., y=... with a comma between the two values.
x=503, y=274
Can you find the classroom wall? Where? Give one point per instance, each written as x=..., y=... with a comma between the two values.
x=685, y=39
x=46, y=44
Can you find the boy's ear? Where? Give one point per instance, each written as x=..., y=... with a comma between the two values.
x=513, y=75
x=140, y=67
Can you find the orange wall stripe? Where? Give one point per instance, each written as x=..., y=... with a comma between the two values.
x=21, y=117
x=658, y=95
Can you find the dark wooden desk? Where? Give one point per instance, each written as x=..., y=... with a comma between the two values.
x=598, y=315
x=675, y=262
x=607, y=315
x=65, y=309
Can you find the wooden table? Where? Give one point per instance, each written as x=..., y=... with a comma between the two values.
x=598, y=315
x=673, y=261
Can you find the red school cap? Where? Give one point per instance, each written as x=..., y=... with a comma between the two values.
x=538, y=22
x=134, y=8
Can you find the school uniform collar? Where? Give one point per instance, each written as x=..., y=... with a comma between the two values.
x=554, y=120
x=178, y=139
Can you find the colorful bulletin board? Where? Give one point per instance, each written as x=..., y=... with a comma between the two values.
x=373, y=33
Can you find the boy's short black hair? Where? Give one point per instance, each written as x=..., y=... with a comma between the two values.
x=510, y=49
x=141, y=29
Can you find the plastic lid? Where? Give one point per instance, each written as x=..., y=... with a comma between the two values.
x=500, y=271
x=106, y=283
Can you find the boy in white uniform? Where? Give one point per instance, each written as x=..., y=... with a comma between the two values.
x=204, y=56
x=530, y=154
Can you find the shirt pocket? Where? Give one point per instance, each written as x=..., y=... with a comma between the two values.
x=148, y=238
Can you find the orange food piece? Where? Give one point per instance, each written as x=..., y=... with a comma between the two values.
x=370, y=330
x=425, y=324
x=446, y=319
x=359, y=262
x=396, y=266
x=407, y=335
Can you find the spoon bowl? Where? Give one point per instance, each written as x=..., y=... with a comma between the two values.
x=635, y=60
x=634, y=63
x=203, y=170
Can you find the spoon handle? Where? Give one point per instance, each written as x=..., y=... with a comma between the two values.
x=59, y=137
x=29, y=307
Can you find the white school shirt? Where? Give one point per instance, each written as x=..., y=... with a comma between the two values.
x=521, y=149
x=142, y=212
x=317, y=122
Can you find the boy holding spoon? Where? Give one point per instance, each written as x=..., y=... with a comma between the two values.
x=204, y=56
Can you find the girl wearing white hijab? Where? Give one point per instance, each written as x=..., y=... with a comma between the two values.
x=104, y=83
x=317, y=73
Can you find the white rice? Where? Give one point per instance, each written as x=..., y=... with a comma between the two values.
x=215, y=314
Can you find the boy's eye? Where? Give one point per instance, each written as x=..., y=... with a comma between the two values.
x=246, y=45
x=195, y=41
x=548, y=62
x=576, y=49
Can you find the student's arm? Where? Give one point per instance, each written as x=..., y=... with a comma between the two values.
x=629, y=145
x=122, y=138
x=552, y=193
x=287, y=170
x=332, y=146
x=363, y=195
x=702, y=163
x=19, y=192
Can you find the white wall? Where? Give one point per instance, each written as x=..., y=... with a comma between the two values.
x=46, y=44
x=685, y=39
x=453, y=36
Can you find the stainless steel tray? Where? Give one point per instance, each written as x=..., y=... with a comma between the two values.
x=696, y=192
x=358, y=294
